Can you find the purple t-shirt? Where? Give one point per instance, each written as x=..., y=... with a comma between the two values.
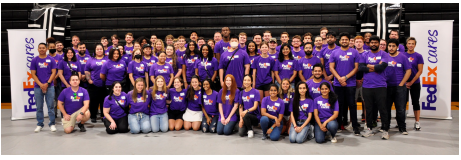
x=178, y=99
x=64, y=66
x=210, y=103
x=158, y=103
x=396, y=69
x=73, y=101
x=141, y=104
x=273, y=108
x=366, y=47
x=129, y=50
x=137, y=69
x=274, y=56
x=57, y=58
x=326, y=53
x=227, y=108
x=106, y=52
x=415, y=59
x=117, y=71
x=374, y=79
x=236, y=66
x=178, y=64
x=116, y=111
x=196, y=102
x=263, y=67
x=323, y=107
x=286, y=68
x=317, y=54
x=401, y=48
x=314, y=88
x=83, y=60
x=344, y=64
x=252, y=59
x=43, y=68
x=94, y=67
x=298, y=55
x=306, y=65
x=222, y=47
x=210, y=67
x=161, y=70
x=126, y=58
x=248, y=100
x=305, y=107
x=189, y=62
x=287, y=100
x=180, y=54
x=278, y=47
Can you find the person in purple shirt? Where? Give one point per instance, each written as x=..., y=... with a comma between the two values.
x=257, y=39
x=96, y=86
x=287, y=93
x=248, y=108
x=116, y=110
x=115, y=66
x=306, y=63
x=105, y=44
x=284, y=38
x=75, y=46
x=273, y=53
x=67, y=67
x=235, y=62
x=263, y=67
x=325, y=112
x=158, y=47
x=297, y=50
x=178, y=104
x=182, y=49
x=139, y=101
x=413, y=83
x=398, y=71
x=174, y=61
x=301, y=114
x=252, y=54
x=158, y=108
x=286, y=66
x=373, y=64
x=272, y=109
x=318, y=48
x=359, y=44
x=326, y=53
x=394, y=34
x=83, y=58
x=323, y=34
x=137, y=68
x=344, y=64
x=366, y=45
x=224, y=44
x=129, y=44
x=242, y=40
x=125, y=58
x=161, y=68
x=189, y=59
x=73, y=103
x=43, y=70
x=206, y=67
x=210, y=105
x=114, y=38
x=228, y=99
x=314, y=83
x=194, y=112
x=55, y=51
x=148, y=58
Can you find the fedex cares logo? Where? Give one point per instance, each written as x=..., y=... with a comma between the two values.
x=43, y=65
x=264, y=65
x=160, y=96
x=323, y=105
x=327, y=56
x=315, y=90
x=410, y=59
x=57, y=61
x=100, y=63
x=307, y=66
x=118, y=66
x=344, y=58
x=75, y=98
x=140, y=99
x=208, y=102
x=430, y=80
x=247, y=98
x=304, y=107
x=28, y=85
x=83, y=61
x=162, y=71
x=287, y=66
x=73, y=66
x=122, y=102
x=391, y=64
x=286, y=100
x=273, y=108
x=372, y=59
x=140, y=68
x=191, y=61
x=297, y=57
x=195, y=97
x=178, y=99
x=235, y=57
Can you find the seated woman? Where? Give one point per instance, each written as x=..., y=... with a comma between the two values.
x=210, y=105
x=272, y=113
x=301, y=114
x=158, y=109
x=193, y=115
x=228, y=98
x=177, y=101
x=249, y=111
x=326, y=110
x=115, y=110
x=139, y=101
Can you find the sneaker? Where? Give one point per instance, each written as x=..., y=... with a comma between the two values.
x=264, y=137
x=375, y=124
x=356, y=131
x=339, y=130
x=367, y=133
x=403, y=131
x=381, y=130
x=349, y=127
x=365, y=127
x=93, y=120
x=385, y=135
x=328, y=137
x=417, y=126
x=333, y=140
x=53, y=128
x=342, y=127
x=363, y=119
x=38, y=129
x=250, y=134
x=82, y=127
x=396, y=126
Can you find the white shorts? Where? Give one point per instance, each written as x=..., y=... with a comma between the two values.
x=192, y=116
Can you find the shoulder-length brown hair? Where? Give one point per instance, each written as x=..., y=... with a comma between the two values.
x=142, y=54
x=155, y=88
x=134, y=96
x=233, y=88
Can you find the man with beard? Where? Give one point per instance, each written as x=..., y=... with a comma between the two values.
x=306, y=63
x=296, y=50
x=326, y=53
x=344, y=63
x=75, y=42
x=59, y=48
x=373, y=65
x=314, y=83
x=223, y=45
x=82, y=58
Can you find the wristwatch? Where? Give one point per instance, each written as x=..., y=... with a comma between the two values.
x=49, y=83
x=81, y=113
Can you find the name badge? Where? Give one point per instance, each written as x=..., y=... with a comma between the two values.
x=47, y=60
x=399, y=65
x=80, y=94
x=290, y=63
x=277, y=104
x=166, y=67
x=123, y=97
x=195, y=57
x=204, y=96
x=181, y=94
x=319, y=102
x=379, y=57
x=252, y=96
x=349, y=53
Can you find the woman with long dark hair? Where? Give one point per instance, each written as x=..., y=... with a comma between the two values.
x=178, y=104
x=115, y=66
x=116, y=110
x=67, y=67
x=192, y=54
x=210, y=107
x=301, y=114
x=326, y=110
x=228, y=98
x=206, y=67
x=286, y=66
x=249, y=108
x=272, y=109
x=252, y=54
x=96, y=87
x=193, y=115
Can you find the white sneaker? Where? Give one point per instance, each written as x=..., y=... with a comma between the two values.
x=349, y=127
x=38, y=129
x=365, y=127
x=385, y=135
x=53, y=128
x=417, y=126
x=250, y=134
x=333, y=140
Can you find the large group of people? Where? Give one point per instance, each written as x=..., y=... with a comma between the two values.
x=306, y=89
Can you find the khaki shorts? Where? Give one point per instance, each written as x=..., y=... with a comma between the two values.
x=73, y=119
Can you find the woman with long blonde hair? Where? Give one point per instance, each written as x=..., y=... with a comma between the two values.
x=139, y=101
x=158, y=109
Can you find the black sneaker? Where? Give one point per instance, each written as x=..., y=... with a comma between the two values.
x=93, y=120
x=356, y=131
x=82, y=127
x=403, y=131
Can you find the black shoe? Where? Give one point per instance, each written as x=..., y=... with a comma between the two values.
x=82, y=127
x=403, y=131
x=357, y=131
x=93, y=120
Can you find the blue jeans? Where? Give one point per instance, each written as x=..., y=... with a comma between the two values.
x=301, y=136
x=332, y=127
x=139, y=122
x=49, y=99
x=226, y=129
x=212, y=127
x=265, y=125
x=159, y=122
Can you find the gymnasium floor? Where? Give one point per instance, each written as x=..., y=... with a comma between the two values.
x=18, y=138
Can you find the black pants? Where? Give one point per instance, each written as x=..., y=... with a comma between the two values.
x=376, y=98
x=397, y=95
x=97, y=95
x=249, y=120
x=122, y=125
x=126, y=85
x=415, y=93
x=346, y=100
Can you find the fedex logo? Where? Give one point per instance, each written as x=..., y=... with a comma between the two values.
x=430, y=80
x=264, y=65
x=83, y=61
x=324, y=105
x=140, y=68
x=286, y=67
x=118, y=66
x=75, y=98
x=191, y=61
x=344, y=58
x=100, y=63
x=327, y=56
x=160, y=96
x=391, y=64
x=162, y=71
x=411, y=59
x=304, y=107
x=122, y=102
x=307, y=66
x=235, y=57
x=140, y=99
x=315, y=90
x=372, y=59
x=178, y=99
x=43, y=65
x=73, y=66
x=272, y=108
x=28, y=85
x=208, y=102
x=247, y=98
